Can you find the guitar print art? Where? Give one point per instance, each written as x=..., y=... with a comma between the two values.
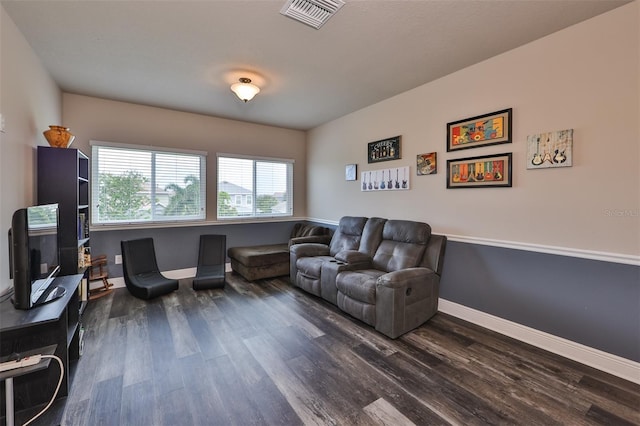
x=497, y=165
x=488, y=171
x=550, y=150
x=537, y=158
x=456, y=173
x=397, y=183
x=559, y=157
x=382, y=184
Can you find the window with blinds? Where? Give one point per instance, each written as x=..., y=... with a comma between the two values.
x=132, y=184
x=254, y=187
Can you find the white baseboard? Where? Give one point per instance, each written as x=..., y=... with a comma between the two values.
x=117, y=283
x=613, y=364
x=176, y=274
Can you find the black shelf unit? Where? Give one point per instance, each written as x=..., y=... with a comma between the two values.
x=63, y=178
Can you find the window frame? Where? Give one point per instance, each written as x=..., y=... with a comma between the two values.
x=288, y=162
x=153, y=150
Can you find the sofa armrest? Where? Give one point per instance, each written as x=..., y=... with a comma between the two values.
x=353, y=256
x=309, y=249
x=404, y=277
x=320, y=239
x=405, y=299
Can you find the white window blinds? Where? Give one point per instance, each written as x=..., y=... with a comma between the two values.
x=137, y=184
x=254, y=187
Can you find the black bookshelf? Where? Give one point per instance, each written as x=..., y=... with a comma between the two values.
x=63, y=178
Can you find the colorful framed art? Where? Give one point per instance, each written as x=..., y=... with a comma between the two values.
x=484, y=130
x=480, y=172
x=426, y=164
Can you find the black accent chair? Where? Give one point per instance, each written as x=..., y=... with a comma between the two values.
x=211, y=262
x=141, y=273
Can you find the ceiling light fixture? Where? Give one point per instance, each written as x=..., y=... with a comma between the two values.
x=244, y=89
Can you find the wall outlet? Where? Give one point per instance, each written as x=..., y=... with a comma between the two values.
x=118, y=259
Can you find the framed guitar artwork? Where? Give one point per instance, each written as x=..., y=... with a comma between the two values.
x=392, y=179
x=550, y=150
x=480, y=172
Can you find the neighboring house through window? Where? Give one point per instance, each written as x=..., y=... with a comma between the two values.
x=254, y=186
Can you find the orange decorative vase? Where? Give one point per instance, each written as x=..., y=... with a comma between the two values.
x=58, y=136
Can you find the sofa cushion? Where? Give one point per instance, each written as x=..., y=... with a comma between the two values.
x=403, y=245
x=406, y=231
x=365, y=312
x=348, y=234
x=359, y=285
x=311, y=266
x=260, y=255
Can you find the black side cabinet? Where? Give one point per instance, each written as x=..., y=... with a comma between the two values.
x=54, y=323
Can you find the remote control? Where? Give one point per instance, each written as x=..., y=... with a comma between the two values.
x=24, y=362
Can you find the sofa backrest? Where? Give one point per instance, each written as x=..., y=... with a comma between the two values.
x=403, y=245
x=306, y=230
x=372, y=235
x=434, y=255
x=348, y=234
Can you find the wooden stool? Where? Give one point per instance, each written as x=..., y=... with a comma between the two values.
x=98, y=271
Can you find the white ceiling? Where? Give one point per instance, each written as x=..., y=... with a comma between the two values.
x=184, y=55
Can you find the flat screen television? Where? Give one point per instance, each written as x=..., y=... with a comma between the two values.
x=34, y=255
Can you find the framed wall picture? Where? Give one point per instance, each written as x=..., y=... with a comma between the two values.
x=426, y=164
x=552, y=149
x=350, y=172
x=384, y=150
x=392, y=179
x=484, y=130
x=480, y=172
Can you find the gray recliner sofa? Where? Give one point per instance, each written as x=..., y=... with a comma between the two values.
x=387, y=276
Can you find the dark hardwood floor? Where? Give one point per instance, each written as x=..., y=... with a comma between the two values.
x=267, y=353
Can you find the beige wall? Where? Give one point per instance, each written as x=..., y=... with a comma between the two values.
x=584, y=78
x=29, y=102
x=104, y=120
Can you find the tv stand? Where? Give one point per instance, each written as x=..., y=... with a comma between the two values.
x=54, y=323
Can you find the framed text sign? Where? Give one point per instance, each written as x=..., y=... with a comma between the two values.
x=384, y=150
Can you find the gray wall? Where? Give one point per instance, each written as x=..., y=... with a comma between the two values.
x=177, y=247
x=590, y=302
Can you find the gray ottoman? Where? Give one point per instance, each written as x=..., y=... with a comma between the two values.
x=259, y=262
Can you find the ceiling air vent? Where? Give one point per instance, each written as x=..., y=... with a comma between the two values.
x=311, y=12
